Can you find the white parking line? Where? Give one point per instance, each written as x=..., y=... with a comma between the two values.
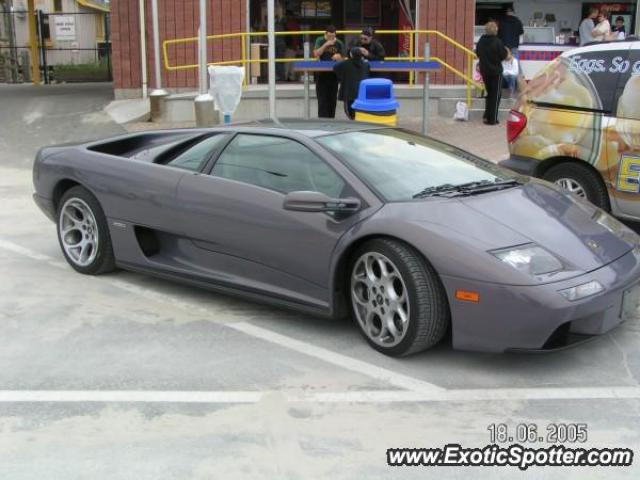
x=342, y=361
x=362, y=396
x=413, y=390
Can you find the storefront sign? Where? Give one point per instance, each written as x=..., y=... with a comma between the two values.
x=65, y=27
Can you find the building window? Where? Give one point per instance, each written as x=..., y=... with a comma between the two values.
x=57, y=5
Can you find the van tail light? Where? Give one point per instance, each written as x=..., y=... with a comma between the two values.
x=515, y=125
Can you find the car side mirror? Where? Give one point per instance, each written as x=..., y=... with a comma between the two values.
x=319, y=202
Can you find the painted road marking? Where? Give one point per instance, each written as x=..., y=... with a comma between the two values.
x=342, y=361
x=362, y=396
x=413, y=390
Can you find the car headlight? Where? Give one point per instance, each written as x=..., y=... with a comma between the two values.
x=582, y=291
x=616, y=227
x=530, y=259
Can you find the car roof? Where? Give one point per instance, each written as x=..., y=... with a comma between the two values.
x=310, y=128
x=604, y=46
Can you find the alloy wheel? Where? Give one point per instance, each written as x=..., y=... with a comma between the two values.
x=78, y=232
x=571, y=186
x=380, y=299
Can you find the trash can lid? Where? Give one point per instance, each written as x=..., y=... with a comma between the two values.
x=375, y=95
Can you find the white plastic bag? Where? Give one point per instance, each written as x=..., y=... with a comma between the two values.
x=225, y=86
x=462, y=112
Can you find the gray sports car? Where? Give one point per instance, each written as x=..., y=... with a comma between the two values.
x=411, y=236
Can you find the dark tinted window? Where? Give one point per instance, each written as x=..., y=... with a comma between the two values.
x=585, y=80
x=197, y=155
x=278, y=164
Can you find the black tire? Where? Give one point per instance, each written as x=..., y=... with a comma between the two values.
x=429, y=314
x=103, y=261
x=590, y=181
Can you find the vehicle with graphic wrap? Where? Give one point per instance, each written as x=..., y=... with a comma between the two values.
x=577, y=124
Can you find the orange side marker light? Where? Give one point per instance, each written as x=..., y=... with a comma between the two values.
x=467, y=296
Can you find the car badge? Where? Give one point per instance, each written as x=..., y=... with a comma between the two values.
x=593, y=245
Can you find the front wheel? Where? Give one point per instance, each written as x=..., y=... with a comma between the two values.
x=397, y=298
x=83, y=233
x=580, y=180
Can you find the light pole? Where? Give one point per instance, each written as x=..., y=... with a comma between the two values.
x=158, y=96
x=205, y=114
x=272, y=57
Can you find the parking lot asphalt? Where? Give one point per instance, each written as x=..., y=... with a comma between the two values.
x=129, y=377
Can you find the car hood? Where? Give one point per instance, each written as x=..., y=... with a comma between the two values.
x=535, y=212
x=550, y=218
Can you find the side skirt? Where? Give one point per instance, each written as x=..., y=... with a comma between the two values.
x=230, y=289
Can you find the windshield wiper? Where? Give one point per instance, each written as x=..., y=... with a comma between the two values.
x=470, y=188
x=445, y=190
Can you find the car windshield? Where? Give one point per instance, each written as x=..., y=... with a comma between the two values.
x=401, y=165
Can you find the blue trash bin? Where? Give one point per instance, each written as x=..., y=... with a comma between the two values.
x=376, y=102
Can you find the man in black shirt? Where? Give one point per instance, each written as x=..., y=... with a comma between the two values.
x=328, y=48
x=510, y=31
x=491, y=52
x=350, y=73
x=371, y=48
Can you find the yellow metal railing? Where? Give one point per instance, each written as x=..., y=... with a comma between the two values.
x=414, y=36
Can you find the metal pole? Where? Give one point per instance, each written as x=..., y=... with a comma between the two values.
x=12, y=44
x=143, y=46
x=425, y=95
x=43, y=53
x=33, y=42
x=156, y=44
x=202, y=50
x=107, y=38
x=272, y=57
x=157, y=98
x=307, y=105
x=205, y=114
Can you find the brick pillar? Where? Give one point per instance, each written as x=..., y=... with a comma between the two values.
x=456, y=19
x=177, y=20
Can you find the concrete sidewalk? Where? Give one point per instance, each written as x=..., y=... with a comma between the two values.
x=488, y=142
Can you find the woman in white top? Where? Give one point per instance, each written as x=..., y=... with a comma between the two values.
x=602, y=32
x=511, y=72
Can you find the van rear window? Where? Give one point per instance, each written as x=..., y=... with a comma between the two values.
x=585, y=81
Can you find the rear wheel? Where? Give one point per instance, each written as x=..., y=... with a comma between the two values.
x=83, y=233
x=581, y=181
x=397, y=298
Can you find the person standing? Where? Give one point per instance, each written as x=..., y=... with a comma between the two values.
x=602, y=32
x=587, y=25
x=372, y=50
x=618, y=29
x=491, y=52
x=328, y=48
x=350, y=73
x=510, y=31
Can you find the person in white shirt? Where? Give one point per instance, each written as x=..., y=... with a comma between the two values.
x=511, y=72
x=587, y=26
x=602, y=32
x=618, y=29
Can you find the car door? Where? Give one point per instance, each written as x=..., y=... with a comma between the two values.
x=142, y=193
x=623, y=140
x=243, y=235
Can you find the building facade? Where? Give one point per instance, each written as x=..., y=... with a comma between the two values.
x=551, y=24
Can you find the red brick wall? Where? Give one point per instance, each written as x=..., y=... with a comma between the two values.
x=179, y=19
x=454, y=18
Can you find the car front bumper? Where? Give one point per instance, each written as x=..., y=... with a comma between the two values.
x=538, y=317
